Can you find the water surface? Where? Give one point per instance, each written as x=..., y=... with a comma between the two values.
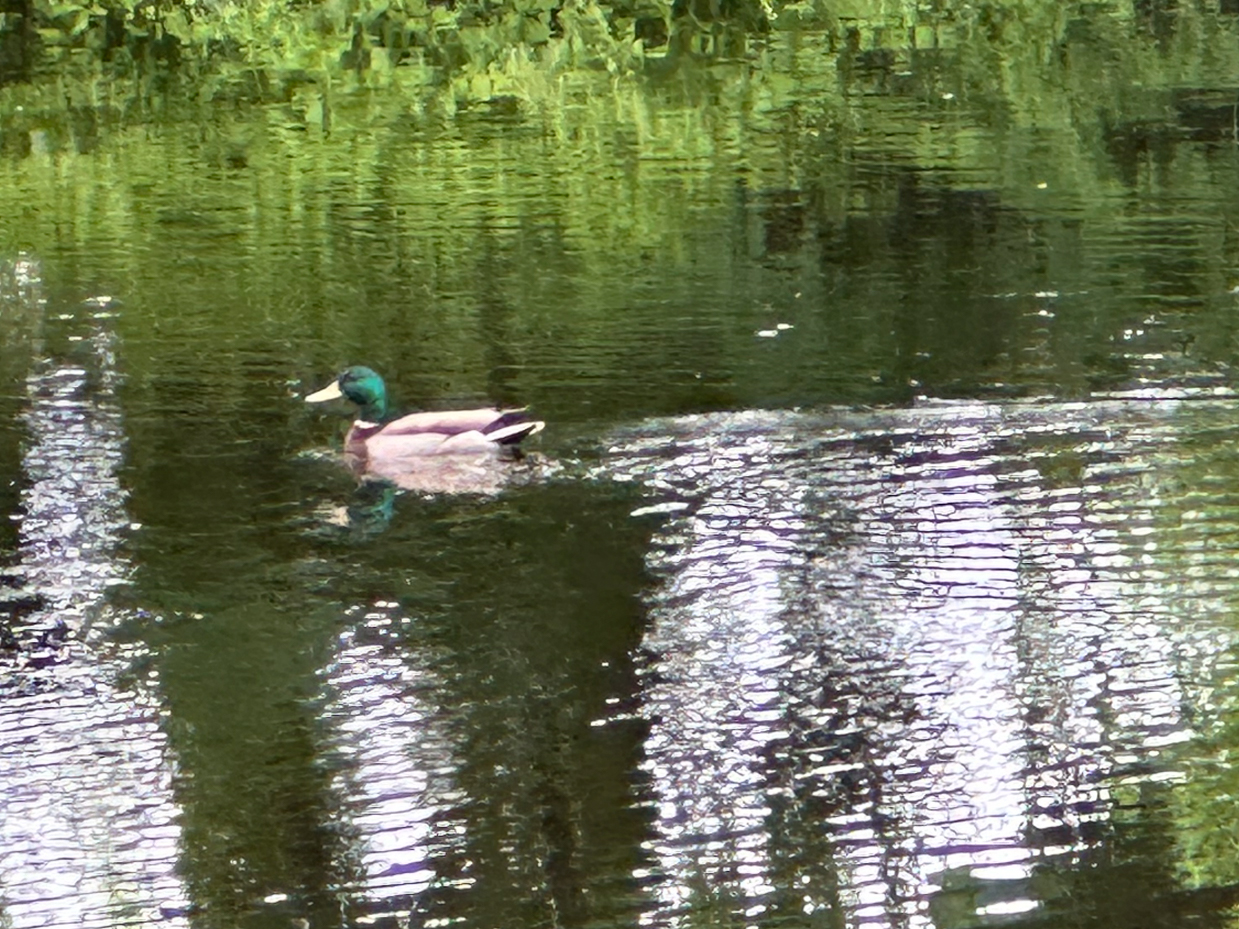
x=876, y=567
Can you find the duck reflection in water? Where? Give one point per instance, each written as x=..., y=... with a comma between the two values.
x=450, y=452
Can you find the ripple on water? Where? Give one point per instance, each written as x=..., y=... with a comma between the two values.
x=398, y=782
x=88, y=830
x=935, y=642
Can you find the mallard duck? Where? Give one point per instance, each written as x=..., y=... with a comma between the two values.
x=425, y=451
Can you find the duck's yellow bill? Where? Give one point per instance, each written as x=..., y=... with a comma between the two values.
x=330, y=392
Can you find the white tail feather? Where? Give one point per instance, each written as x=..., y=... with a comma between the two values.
x=517, y=431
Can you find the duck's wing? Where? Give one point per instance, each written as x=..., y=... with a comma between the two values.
x=410, y=448
x=452, y=422
x=415, y=446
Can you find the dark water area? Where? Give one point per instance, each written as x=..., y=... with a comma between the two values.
x=876, y=566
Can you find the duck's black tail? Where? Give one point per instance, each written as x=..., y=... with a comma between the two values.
x=511, y=426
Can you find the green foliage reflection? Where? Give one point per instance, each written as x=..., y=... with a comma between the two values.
x=468, y=46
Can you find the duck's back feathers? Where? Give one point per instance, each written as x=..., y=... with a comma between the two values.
x=455, y=422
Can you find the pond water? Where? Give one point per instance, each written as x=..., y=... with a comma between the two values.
x=877, y=566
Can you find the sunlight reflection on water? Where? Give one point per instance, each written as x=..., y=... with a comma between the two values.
x=88, y=832
x=894, y=636
x=400, y=773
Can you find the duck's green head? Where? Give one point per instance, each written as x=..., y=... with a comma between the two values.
x=361, y=385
